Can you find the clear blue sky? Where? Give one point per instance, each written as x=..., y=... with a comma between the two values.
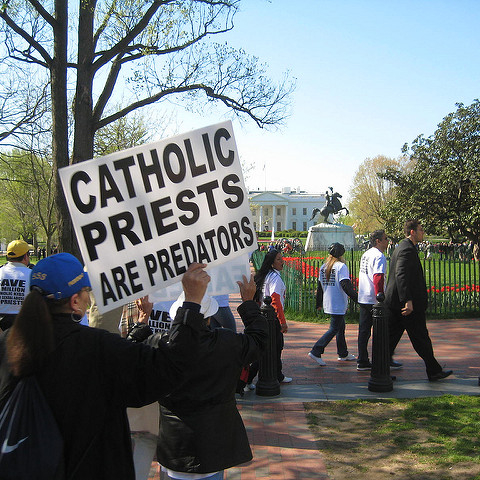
x=371, y=76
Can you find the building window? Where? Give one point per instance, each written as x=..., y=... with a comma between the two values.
x=279, y=226
x=304, y=226
x=279, y=211
x=266, y=211
x=294, y=211
x=254, y=212
x=304, y=211
x=294, y=225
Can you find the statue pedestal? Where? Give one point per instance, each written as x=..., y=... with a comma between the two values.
x=321, y=236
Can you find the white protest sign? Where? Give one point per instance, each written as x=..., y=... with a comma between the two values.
x=142, y=215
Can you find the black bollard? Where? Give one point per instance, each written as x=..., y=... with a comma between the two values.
x=380, y=379
x=268, y=384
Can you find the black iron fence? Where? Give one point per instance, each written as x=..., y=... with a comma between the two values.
x=453, y=284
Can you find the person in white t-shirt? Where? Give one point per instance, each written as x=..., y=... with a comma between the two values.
x=14, y=281
x=373, y=267
x=334, y=285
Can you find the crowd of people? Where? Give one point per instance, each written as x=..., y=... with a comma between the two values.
x=176, y=375
x=163, y=381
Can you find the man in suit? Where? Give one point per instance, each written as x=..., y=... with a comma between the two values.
x=406, y=299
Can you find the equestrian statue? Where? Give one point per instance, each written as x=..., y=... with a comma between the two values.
x=332, y=206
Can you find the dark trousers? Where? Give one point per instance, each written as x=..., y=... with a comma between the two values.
x=416, y=326
x=365, y=323
x=253, y=370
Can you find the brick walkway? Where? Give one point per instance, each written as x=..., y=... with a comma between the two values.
x=282, y=445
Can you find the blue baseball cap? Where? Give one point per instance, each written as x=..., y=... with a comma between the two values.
x=59, y=276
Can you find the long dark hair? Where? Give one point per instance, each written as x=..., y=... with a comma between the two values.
x=263, y=271
x=30, y=338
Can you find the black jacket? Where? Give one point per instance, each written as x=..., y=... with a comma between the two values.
x=201, y=430
x=405, y=278
x=90, y=379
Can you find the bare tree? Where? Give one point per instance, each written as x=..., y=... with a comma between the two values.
x=370, y=192
x=151, y=51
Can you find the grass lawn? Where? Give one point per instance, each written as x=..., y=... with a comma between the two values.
x=420, y=439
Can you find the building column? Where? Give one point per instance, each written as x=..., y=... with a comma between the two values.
x=274, y=217
x=260, y=219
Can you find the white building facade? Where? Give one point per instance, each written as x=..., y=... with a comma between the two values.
x=288, y=209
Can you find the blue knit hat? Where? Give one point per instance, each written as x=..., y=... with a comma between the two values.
x=59, y=276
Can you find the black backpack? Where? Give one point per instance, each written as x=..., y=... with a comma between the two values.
x=31, y=446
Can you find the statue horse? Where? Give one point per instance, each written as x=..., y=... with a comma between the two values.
x=332, y=207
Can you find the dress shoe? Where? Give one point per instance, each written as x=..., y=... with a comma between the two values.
x=440, y=375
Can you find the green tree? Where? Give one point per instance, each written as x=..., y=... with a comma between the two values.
x=26, y=186
x=145, y=52
x=370, y=192
x=443, y=189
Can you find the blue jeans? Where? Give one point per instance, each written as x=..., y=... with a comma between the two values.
x=144, y=448
x=223, y=318
x=365, y=322
x=336, y=329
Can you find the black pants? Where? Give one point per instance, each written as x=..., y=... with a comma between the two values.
x=416, y=326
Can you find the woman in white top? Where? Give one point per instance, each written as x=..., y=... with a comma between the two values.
x=270, y=283
x=334, y=285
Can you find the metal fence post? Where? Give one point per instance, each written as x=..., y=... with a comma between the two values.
x=380, y=379
x=268, y=384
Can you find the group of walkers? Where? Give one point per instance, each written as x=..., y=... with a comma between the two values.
x=405, y=298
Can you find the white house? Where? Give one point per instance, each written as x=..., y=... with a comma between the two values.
x=288, y=209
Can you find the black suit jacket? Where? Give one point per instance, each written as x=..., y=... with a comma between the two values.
x=406, y=280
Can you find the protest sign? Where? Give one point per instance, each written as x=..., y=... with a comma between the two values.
x=142, y=215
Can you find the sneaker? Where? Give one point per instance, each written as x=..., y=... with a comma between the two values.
x=286, y=380
x=348, y=358
x=317, y=359
x=249, y=386
x=395, y=365
x=364, y=366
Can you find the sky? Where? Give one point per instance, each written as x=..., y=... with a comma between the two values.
x=371, y=75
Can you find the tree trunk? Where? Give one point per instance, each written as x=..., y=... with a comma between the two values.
x=84, y=128
x=58, y=71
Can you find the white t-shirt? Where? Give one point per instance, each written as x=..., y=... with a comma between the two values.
x=159, y=320
x=274, y=284
x=373, y=261
x=335, y=300
x=14, y=286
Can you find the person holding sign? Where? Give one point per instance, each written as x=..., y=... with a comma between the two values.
x=201, y=431
x=90, y=376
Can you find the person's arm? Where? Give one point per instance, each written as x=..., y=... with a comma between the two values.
x=319, y=296
x=378, y=283
x=347, y=287
x=403, y=280
x=277, y=305
x=147, y=374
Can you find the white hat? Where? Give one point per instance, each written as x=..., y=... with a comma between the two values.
x=208, y=307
